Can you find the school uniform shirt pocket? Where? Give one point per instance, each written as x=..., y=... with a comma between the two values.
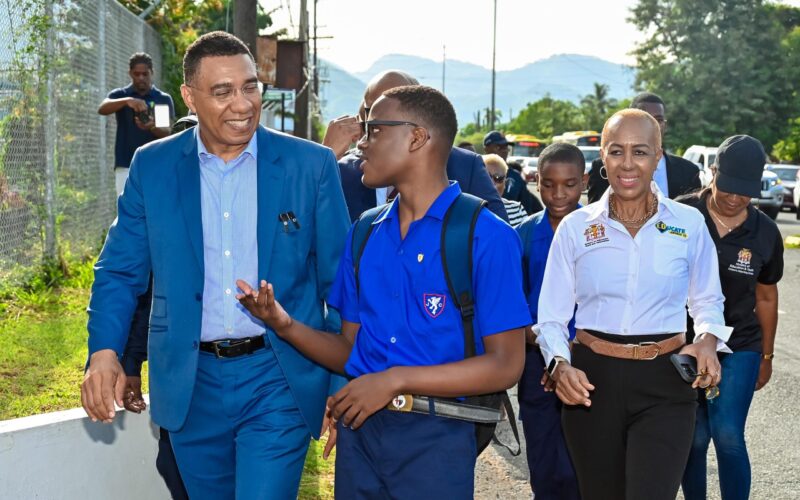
x=670, y=256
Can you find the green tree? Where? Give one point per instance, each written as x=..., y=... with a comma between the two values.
x=547, y=117
x=719, y=65
x=595, y=106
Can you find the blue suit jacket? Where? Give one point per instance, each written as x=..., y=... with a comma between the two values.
x=463, y=166
x=159, y=227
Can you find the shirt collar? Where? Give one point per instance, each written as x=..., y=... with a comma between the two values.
x=662, y=163
x=202, y=152
x=437, y=210
x=132, y=91
x=600, y=207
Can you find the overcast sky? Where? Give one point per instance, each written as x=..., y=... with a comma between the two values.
x=527, y=30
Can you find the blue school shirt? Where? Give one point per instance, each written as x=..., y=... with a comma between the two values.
x=541, y=237
x=406, y=314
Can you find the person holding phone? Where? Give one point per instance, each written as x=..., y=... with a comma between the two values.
x=631, y=263
x=134, y=107
x=750, y=250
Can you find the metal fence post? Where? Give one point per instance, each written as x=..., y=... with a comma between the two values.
x=49, y=129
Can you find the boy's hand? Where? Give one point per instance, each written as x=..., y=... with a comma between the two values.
x=133, y=395
x=329, y=424
x=262, y=305
x=362, y=397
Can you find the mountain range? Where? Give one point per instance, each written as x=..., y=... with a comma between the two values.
x=468, y=86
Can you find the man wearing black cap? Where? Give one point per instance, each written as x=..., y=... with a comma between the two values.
x=750, y=254
x=674, y=175
x=516, y=188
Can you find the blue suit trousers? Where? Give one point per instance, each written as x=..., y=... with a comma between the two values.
x=244, y=437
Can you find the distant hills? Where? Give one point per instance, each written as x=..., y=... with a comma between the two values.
x=563, y=76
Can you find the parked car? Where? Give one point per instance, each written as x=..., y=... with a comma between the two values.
x=529, y=171
x=590, y=154
x=788, y=176
x=772, y=191
x=703, y=157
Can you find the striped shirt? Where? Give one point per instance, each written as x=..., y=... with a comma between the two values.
x=516, y=212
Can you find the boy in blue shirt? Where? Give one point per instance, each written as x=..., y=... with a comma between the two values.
x=561, y=181
x=401, y=333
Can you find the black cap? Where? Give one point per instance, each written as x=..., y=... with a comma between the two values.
x=740, y=166
x=494, y=137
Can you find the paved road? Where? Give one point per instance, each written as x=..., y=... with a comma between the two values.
x=773, y=429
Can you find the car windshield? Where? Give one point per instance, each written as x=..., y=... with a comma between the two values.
x=785, y=174
x=591, y=155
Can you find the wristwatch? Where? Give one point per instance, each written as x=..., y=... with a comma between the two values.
x=551, y=368
x=768, y=356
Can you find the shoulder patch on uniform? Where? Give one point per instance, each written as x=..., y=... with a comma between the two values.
x=434, y=303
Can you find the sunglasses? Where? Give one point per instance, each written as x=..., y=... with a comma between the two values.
x=369, y=127
x=498, y=178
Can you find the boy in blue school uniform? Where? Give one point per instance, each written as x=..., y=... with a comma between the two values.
x=561, y=181
x=401, y=332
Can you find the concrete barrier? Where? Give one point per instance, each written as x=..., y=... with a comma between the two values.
x=64, y=455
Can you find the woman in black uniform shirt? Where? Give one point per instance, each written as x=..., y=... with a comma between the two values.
x=750, y=250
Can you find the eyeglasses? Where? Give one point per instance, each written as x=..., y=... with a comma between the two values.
x=227, y=93
x=498, y=178
x=371, y=126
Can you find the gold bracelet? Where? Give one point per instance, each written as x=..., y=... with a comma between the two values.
x=768, y=356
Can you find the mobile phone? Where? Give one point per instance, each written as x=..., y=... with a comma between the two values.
x=686, y=366
x=161, y=115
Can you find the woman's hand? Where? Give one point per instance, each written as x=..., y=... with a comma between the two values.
x=262, y=305
x=709, y=371
x=764, y=373
x=572, y=386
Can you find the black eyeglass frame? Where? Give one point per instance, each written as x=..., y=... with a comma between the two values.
x=365, y=125
x=498, y=178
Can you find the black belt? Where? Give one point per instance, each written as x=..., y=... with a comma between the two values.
x=233, y=348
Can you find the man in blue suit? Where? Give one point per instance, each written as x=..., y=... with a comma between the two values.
x=227, y=199
x=463, y=166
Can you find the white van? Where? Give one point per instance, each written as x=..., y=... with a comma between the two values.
x=703, y=157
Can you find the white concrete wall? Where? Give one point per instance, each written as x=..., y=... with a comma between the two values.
x=65, y=455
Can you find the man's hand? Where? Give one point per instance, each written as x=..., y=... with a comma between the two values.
x=764, y=373
x=708, y=368
x=262, y=305
x=341, y=133
x=103, y=384
x=133, y=395
x=362, y=397
x=137, y=105
x=572, y=386
x=329, y=424
x=146, y=126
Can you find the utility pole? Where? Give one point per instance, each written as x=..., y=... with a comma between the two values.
x=302, y=120
x=245, y=13
x=444, y=59
x=494, y=54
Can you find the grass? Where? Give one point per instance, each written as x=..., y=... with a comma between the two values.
x=43, y=333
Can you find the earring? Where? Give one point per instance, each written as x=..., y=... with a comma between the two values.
x=602, y=170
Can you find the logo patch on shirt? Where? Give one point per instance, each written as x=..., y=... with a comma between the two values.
x=742, y=264
x=434, y=304
x=595, y=233
x=673, y=230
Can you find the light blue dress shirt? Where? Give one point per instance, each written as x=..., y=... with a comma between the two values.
x=228, y=199
x=660, y=175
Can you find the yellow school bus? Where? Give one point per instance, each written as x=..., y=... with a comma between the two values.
x=579, y=138
x=523, y=145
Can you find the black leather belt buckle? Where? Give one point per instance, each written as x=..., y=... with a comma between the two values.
x=233, y=348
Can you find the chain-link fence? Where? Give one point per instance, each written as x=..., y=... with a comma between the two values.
x=58, y=60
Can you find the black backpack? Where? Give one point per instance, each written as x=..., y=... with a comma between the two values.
x=458, y=229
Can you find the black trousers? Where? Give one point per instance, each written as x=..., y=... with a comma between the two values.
x=633, y=442
x=168, y=467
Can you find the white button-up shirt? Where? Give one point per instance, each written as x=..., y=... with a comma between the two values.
x=630, y=286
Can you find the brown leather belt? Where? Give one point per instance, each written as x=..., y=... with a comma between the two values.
x=642, y=351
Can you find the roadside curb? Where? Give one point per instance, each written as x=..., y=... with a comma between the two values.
x=792, y=241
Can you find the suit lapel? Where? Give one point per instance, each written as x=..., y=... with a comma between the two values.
x=189, y=180
x=271, y=176
x=673, y=183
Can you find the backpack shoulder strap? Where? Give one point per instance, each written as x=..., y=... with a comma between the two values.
x=361, y=231
x=525, y=232
x=458, y=230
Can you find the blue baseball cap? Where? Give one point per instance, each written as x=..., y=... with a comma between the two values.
x=494, y=137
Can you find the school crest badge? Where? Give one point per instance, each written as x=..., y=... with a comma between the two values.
x=595, y=233
x=434, y=304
